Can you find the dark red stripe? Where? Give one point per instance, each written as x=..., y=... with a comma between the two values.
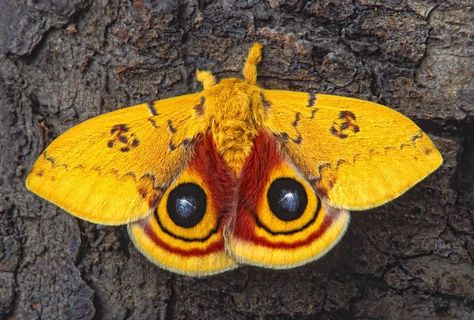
x=256, y=171
x=218, y=178
x=245, y=230
x=213, y=247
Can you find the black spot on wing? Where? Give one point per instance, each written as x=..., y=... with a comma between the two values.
x=337, y=133
x=49, y=158
x=151, y=107
x=186, y=142
x=346, y=114
x=171, y=128
x=172, y=146
x=296, y=122
x=266, y=104
x=153, y=123
x=119, y=128
x=345, y=125
x=311, y=99
x=199, y=108
x=122, y=138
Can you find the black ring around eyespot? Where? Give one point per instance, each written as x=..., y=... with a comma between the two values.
x=287, y=199
x=187, y=189
x=186, y=205
x=261, y=225
x=201, y=239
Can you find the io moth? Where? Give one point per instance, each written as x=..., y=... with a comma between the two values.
x=234, y=174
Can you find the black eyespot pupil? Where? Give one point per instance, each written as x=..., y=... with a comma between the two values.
x=287, y=199
x=186, y=205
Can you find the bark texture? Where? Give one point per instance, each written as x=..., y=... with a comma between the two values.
x=62, y=62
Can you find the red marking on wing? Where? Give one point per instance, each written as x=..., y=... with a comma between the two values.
x=255, y=174
x=219, y=184
x=213, y=247
x=218, y=178
x=245, y=226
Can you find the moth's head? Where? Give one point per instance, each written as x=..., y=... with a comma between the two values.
x=233, y=95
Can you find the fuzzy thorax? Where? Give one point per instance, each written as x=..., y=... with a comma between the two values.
x=233, y=112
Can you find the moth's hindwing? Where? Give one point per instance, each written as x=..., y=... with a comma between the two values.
x=280, y=220
x=185, y=232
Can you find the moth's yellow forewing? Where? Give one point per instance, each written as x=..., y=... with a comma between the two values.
x=112, y=169
x=359, y=153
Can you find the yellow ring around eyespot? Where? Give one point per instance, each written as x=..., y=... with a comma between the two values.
x=270, y=220
x=175, y=242
x=209, y=221
x=292, y=238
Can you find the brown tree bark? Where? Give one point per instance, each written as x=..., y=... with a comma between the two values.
x=62, y=62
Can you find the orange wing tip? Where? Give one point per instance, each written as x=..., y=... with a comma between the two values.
x=286, y=256
x=191, y=265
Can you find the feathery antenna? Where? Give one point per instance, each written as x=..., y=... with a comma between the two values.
x=250, y=67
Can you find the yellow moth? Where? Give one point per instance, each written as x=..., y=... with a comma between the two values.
x=234, y=174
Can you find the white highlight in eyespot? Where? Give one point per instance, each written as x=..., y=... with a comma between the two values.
x=186, y=206
x=289, y=200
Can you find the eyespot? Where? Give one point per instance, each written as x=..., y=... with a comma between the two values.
x=287, y=199
x=186, y=205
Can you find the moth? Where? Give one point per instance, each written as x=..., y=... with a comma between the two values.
x=234, y=174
